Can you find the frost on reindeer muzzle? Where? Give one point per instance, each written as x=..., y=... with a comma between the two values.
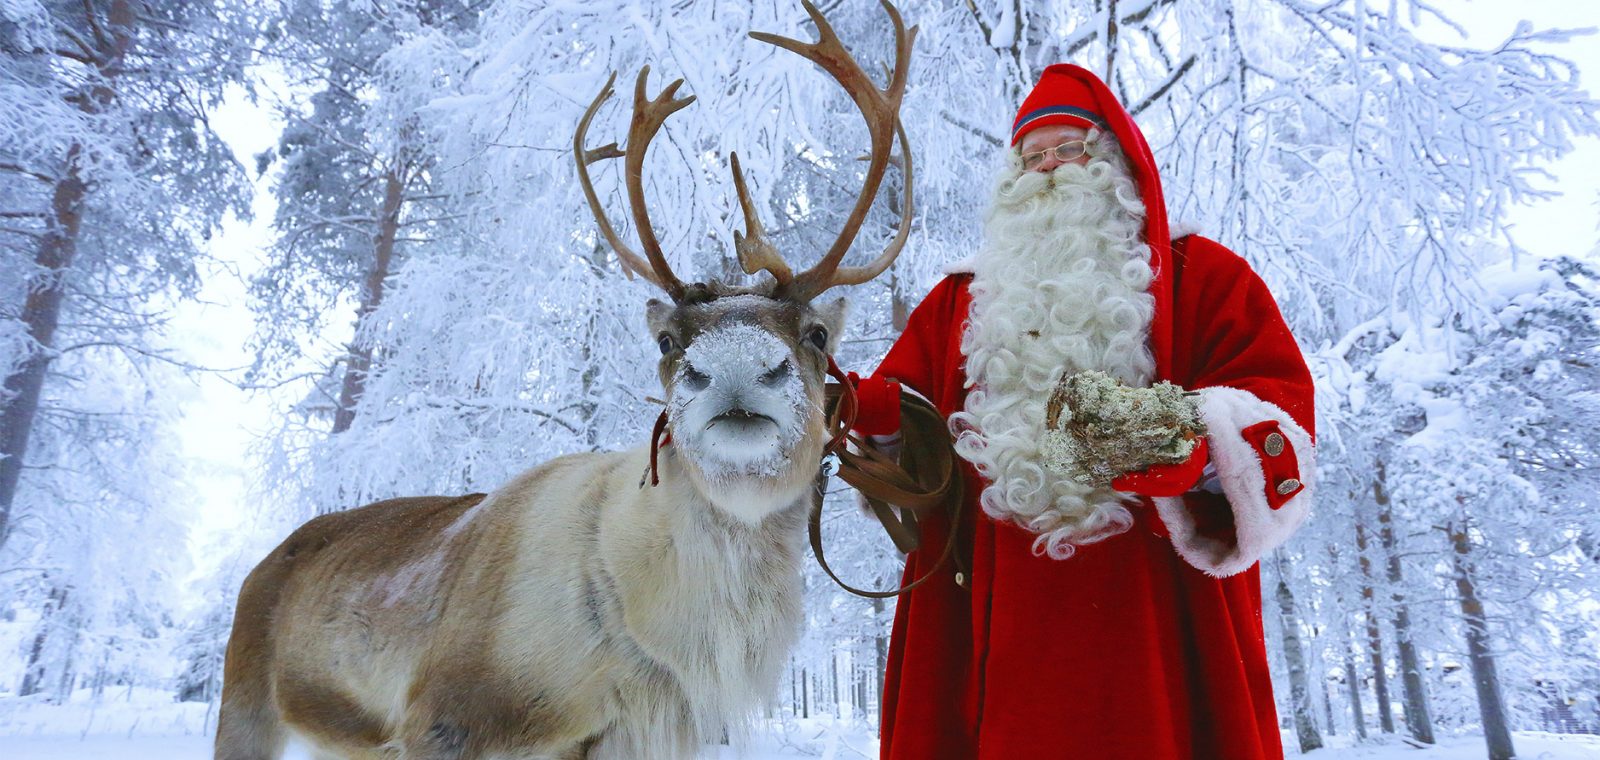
x=742, y=420
x=738, y=399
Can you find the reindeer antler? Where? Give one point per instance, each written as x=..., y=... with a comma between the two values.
x=881, y=108
x=755, y=253
x=648, y=116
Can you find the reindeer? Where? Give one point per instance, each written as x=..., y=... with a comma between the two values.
x=579, y=611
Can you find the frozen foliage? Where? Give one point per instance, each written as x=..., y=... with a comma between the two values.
x=1469, y=452
x=111, y=181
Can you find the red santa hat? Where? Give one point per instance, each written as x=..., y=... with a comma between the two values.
x=1060, y=97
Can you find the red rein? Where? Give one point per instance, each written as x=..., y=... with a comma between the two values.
x=846, y=414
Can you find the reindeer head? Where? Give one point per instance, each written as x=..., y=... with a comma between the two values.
x=744, y=367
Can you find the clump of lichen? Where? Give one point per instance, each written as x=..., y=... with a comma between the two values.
x=1097, y=429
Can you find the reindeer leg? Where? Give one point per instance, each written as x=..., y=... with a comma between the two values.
x=435, y=738
x=458, y=730
x=580, y=751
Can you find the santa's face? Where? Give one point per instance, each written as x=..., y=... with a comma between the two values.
x=1060, y=286
x=1047, y=147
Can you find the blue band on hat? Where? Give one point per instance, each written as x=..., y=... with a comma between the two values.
x=1032, y=116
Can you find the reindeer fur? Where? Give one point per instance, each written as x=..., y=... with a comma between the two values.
x=576, y=612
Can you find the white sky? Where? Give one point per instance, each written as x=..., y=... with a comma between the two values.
x=222, y=421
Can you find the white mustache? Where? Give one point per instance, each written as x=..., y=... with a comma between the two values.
x=1064, y=180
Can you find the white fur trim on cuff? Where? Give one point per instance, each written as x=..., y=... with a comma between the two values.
x=1227, y=412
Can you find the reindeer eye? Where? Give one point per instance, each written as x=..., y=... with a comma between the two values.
x=666, y=343
x=818, y=337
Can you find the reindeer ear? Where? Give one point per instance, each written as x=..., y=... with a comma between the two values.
x=658, y=315
x=833, y=315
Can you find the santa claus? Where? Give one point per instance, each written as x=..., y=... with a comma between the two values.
x=1118, y=620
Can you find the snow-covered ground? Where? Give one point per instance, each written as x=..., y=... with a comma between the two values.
x=1530, y=745
x=147, y=725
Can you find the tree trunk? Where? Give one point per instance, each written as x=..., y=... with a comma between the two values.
x=1419, y=719
x=69, y=666
x=41, y=313
x=1300, y=693
x=1111, y=40
x=360, y=358
x=1485, y=679
x=33, y=674
x=1380, y=676
x=1347, y=651
x=833, y=681
x=805, y=694
x=58, y=247
x=881, y=649
x=102, y=676
x=588, y=399
x=1353, y=680
x=859, y=695
x=1327, y=709
x=900, y=303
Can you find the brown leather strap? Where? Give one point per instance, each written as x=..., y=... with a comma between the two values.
x=924, y=479
x=656, y=442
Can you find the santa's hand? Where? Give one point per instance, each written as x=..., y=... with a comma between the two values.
x=1099, y=430
x=877, y=406
x=1166, y=479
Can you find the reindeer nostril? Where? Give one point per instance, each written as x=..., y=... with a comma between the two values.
x=695, y=379
x=777, y=374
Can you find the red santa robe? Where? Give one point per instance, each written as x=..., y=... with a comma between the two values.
x=1146, y=645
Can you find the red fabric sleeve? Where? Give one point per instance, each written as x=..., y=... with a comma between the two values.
x=1229, y=332
x=1255, y=394
x=913, y=361
x=1166, y=479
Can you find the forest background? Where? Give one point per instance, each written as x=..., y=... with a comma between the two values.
x=376, y=201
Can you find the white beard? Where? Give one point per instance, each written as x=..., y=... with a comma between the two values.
x=1061, y=285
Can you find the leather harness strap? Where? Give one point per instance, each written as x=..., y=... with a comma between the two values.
x=924, y=479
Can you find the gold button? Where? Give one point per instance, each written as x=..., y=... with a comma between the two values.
x=1274, y=444
x=1288, y=485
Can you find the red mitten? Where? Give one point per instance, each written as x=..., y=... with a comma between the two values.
x=879, y=405
x=1166, y=479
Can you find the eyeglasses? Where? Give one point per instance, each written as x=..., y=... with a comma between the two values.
x=1068, y=151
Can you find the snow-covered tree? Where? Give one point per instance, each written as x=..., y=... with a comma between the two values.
x=355, y=176
x=1479, y=453
x=111, y=180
